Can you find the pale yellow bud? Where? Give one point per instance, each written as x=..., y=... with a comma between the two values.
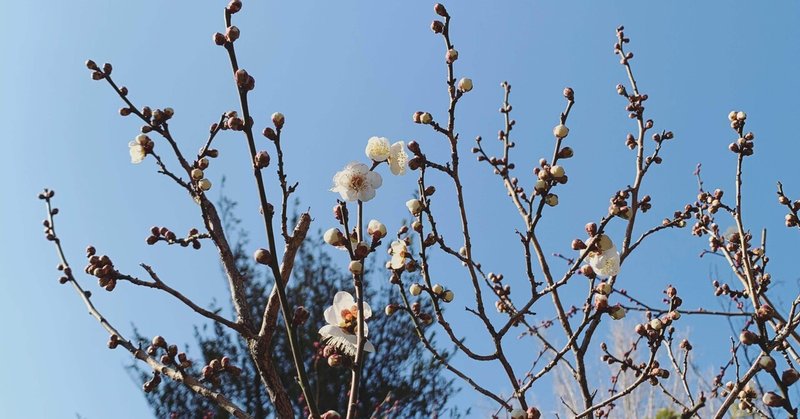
x=414, y=206
x=437, y=289
x=334, y=237
x=204, y=184
x=465, y=84
x=656, y=324
x=197, y=174
x=376, y=228
x=415, y=289
x=561, y=131
x=356, y=267
x=448, y=296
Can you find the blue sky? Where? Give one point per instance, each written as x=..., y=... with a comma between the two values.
x=342, y=72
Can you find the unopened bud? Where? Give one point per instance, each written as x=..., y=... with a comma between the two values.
x=263, y=256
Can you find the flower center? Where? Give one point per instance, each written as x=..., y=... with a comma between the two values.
x=357, y=182
x=349, y=322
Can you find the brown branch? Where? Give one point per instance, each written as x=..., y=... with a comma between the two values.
x=175, y=374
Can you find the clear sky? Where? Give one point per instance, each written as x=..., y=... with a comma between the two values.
x=342, y=72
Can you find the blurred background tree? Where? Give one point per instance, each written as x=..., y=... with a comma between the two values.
x=402, y=382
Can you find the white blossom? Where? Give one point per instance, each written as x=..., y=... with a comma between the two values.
x=398, y=159
x=378, y=149
x=399, y=250
x=342, y=328
x=139, y=148
x=605, y=260
x=356, y=182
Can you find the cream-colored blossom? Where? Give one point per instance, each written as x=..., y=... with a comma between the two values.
x=378, y=149
x=398, y=159
x=139, y=148
x=342, y=328
x=356, y=182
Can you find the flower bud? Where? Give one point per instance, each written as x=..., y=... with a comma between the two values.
x=278, y=119
x=578, y=244
x=766, y=362
x=518, y=414
x=335, y=360
x=741, y=116
x=269, y=133
x=437, y=289
x=376, y=229
x=561, y=131
x=732, y=116
x=656, y=324
x=414, y=206
x=566, y=153
x=440, y=9
x=232, y=33
x=540, y=186
x=600, y=302
x=415, y=289
x=390, y=309
x=790, y=377
x=334, y=237
x=551, y=199
x=197, y=174
x=300, y=317
x=356, y=267
x=263, y=256
x=465, y=84
x=262, y=159
x=772, y=400
x=425, y=118
x=204, y=184
x=557, y=171
x=603, y=288
x=451, y=56
x=331, y=414
x=159, y=342
x=617, y=312
x=448, y=296
x=437, y=26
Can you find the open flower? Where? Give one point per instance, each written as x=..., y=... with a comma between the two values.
x=398, y=159
x=140, y=147
x=342, y=328
x=356, y=182
x=399, y=252
x=378, y=149
x=604, y=258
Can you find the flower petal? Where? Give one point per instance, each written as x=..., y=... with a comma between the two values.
x=374, y=179
x=369, y=347
x=328, y=331
x=343, y=301
x=367, y=312
x=366, y=194
x=332, y=316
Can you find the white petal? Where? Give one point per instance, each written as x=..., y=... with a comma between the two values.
x=343, y=301
x=332, y=316
x=369, y=347
x=398, y=159
x=348, y=194
x=366, y=194
x=367, y=311
x=328, y=331
x=398, y=260
x=374, y=179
